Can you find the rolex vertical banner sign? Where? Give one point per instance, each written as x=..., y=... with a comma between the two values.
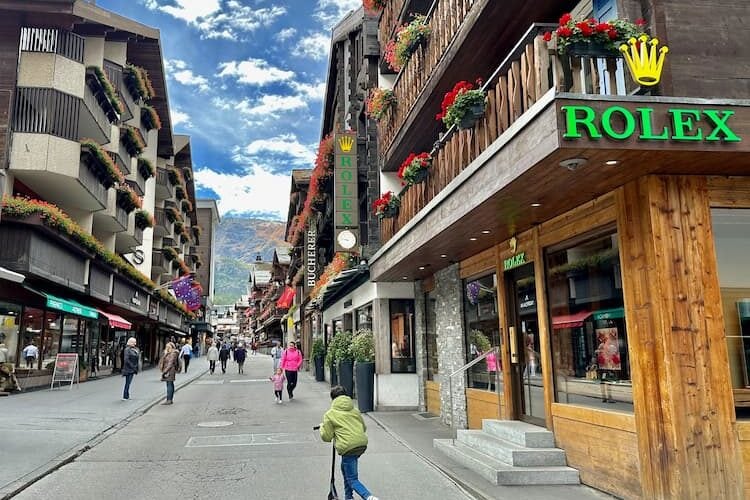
x=346, y=207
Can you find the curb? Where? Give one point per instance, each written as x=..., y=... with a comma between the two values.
x=461, y=484
x=17, y=486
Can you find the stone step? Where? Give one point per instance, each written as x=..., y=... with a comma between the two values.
x=499, y=473
x=510, y=453
x=521, y=433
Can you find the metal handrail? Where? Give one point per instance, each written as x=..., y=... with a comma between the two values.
x=463, y=369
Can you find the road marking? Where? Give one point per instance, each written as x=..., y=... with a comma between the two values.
x=249, y=380
x=210, y=382
x=250, y=440
x=219, y=423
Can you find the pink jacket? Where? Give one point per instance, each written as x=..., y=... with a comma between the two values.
x=278, y=382
x=493, y=363
x=291, y=360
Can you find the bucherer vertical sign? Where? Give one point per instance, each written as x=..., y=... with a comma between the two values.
x=311, y=255
x=346, y=199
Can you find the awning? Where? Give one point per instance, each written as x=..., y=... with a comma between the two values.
x=286, y=299
x=70, y=306
x=117, y=321
x=618, y=312
x=569, y=320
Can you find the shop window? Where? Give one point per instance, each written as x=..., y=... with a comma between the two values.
x=364, y=317
x=402, y=336
x=731, y=228
x=588, y=332
x=70, y=336
x=482, y=332
x=31, y=333
x=10, y=345
x=431, y=336
x=51, y=345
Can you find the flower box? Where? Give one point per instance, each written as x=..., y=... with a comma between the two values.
x=471, y=117
x=386, y=206
x=463, y=105
x=415, y=169
x=406, y=41
x=132, y=140
x=143, y=220
x=379, y=103
x=592, y=38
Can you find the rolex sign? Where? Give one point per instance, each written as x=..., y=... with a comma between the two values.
x=346, y=199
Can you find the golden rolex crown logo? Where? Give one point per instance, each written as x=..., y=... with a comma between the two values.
x=644, y=63
x=346, y=142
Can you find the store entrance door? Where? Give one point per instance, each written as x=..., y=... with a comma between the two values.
x=528, y=385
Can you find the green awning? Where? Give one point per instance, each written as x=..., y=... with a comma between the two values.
x=615, y=313
x=71, y=306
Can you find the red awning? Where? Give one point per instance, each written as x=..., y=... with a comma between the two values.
x=569, y=320
x=117, y=321
x=286, y=299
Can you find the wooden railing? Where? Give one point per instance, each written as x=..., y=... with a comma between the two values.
x=529, y=71
x=444, y=20
x=389, y=21
x=54, y=41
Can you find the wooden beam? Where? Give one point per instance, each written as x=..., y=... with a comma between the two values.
x=544, y=328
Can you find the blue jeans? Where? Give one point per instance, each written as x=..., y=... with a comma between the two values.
x=128, y=380
x=351, y=479
x=170, y=390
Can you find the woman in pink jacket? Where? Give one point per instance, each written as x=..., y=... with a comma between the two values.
x=291, y=360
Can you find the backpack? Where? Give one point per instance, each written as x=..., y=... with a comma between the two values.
x=276, y=352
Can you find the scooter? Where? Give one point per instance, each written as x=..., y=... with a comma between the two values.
x=332, y=493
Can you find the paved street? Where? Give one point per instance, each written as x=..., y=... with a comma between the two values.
x=225, y=436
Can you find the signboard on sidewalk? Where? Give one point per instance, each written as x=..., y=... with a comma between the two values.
x=66, y=369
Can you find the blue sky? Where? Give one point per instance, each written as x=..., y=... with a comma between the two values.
x=246, y=82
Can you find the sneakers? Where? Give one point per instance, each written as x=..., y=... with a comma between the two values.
x=372, y=497
x=279, y=401
x=167, y=402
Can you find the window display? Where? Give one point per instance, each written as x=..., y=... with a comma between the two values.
x=52, y=330
x=31, y=338
x=402, y=336
x=483, y=333
x=10, y=315
x=589, y=337
x=363, y=317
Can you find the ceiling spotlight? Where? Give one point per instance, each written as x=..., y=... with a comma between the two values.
x=421, y=268
x=472, y=239
x=404, y=277
x=536, y=205
x=573, y=163
x=443, y=256
x=486, y=231
x=611, y=162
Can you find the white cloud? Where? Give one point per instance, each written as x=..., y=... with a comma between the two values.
x=275, y=104
x=285, y=34
x=257, y=190
x=227, y=19
x=282, y=145
x=254, y=72
x=330, y=12
x=310, y=91
x=315, y=46
x=179, y=71
x=179, y=118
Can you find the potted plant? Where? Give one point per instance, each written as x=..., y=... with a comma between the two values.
x=463, y=105
x=143, y=219
x=146, y=168
x=591, y=38
x=415, y=169
x=127, y=199
x=131, y=140
x=150, y=118
x=363, y=350
x=138, y=83
x=386, y=206
x=319, y=354
x=379, y=102
x=101, y=163
x=405, y=42
x=330, y=362
x=344, y=359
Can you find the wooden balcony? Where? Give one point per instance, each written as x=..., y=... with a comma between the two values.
x=523, y=78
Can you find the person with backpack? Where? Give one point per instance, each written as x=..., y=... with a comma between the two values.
x=224, y=356
x=276, y=352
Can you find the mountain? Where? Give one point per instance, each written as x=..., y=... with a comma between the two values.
x=238, y=241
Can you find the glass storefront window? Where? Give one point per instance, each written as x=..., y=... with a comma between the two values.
x=10, y=316
x=31, y=333
x=52, y=333
x=363, y=316
x=589, y=336
x=70, y=339
x=431, y=334
x=483, y=332
x=402, y=336
x=731, y=228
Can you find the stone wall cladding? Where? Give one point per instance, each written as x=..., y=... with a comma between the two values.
x=450, y=344
x=420, y=335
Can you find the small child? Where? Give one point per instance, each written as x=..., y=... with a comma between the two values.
x=344, y=423
x=278, y=384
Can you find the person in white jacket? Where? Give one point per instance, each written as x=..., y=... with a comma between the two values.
x=213, y=357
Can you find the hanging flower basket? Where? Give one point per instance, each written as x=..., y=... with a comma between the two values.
x=591, y=38
x=146, y=168
x=406, y=41
x=379, y=103
x=132, y=140
x=386, y=206
x=150, y=118
x=463, y=105
x=415, y=169
x=138, y=83
x=127, y=199
x=100, y=163
x=143, y=219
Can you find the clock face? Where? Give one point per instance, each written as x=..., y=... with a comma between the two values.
x=347, y=239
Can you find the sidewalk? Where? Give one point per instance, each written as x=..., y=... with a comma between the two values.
x=45, y=429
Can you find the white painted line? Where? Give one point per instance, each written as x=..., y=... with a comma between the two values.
x=250, y=440
x=219, y=423
x=241, y=381
x=210, y=382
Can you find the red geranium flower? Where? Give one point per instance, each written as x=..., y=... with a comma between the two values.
x=547, y=36
x=640, y=22
x=565, y=19
x=564, y=31
x=603, y=27
x=612, y=34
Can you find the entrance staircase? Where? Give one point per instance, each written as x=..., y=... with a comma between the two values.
x=509, y=452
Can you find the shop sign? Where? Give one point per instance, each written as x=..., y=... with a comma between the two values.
x=512, y=262
x=345, y=194
x=311, y=257
x=676, y=124
x=136, y=300
x=71, y=307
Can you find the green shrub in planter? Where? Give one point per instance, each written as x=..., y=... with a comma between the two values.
x=363, y=346
x=318, y=348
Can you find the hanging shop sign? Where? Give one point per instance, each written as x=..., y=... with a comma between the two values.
x=71, y=306
x=647, y=123
x=345, y=195
x=516, y=260
x=311, y=257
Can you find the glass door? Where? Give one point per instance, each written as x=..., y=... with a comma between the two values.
x=525, y=348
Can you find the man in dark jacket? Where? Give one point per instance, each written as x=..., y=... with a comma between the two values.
x=239, y=356
x=224, y=356
x=130, y=356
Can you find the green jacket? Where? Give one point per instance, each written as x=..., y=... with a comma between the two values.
x=345, y=423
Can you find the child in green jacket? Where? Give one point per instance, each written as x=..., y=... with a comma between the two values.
x=344, y=423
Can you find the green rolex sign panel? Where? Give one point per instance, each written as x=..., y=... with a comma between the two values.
x=345, y=195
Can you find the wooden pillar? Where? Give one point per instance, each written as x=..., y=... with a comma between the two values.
x=684, y=408
x=544, y=329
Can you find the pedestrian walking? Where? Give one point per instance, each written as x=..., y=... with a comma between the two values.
x=240, y=353
x=254, y=348
x=130, y=358
x=213, y=357
x=290, y=362
x=169, y=365
x=224, y=356
x=30, y=353
x=276, y=352
x=186, y=353
x=278, y=384
x=344, y=423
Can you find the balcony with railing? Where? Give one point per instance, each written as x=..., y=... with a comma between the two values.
x=53, y=41
x=159, y=263
x=113, y=219
x=94, y=123
x=114, y=73
x=162, y=226
x=528, y=73
x=126, y=241
x=164, y=189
